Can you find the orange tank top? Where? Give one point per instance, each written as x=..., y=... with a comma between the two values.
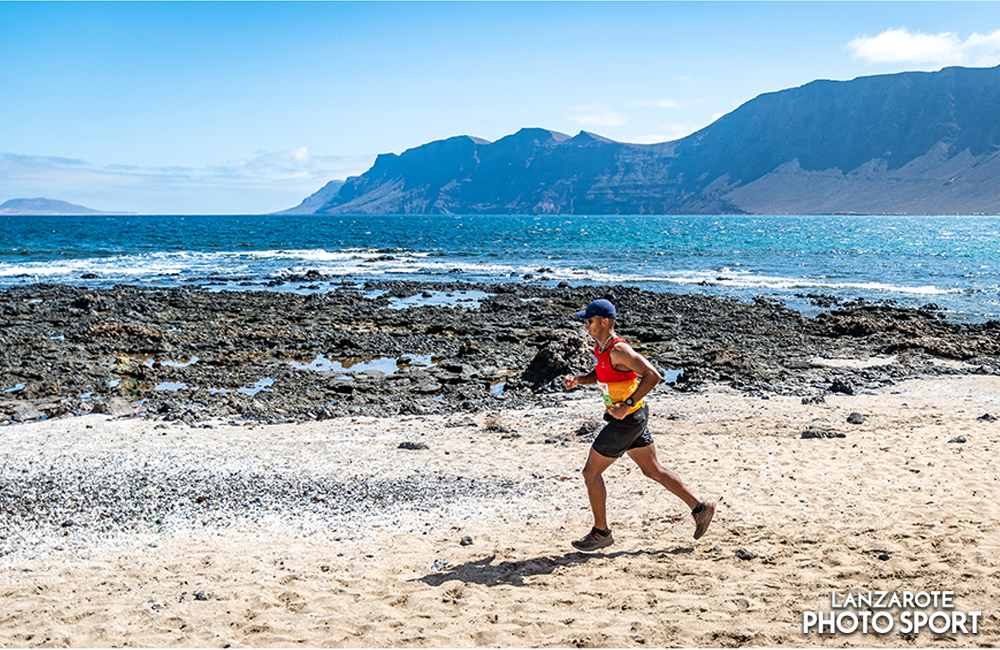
x=615, y=385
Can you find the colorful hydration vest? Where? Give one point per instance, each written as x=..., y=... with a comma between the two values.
x=615, y=385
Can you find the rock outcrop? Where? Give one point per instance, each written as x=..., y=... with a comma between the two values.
x=191, y=355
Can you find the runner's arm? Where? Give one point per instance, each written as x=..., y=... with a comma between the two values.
x=623, y=355
x=572, y=382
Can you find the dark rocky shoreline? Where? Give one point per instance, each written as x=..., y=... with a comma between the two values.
x=192, y=354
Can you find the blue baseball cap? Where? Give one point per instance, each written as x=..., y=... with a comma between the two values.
x=600, y=307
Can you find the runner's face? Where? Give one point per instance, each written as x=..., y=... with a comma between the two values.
x=597, y=326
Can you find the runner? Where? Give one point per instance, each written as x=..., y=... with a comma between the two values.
x=618, y=373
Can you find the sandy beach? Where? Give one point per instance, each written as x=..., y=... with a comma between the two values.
x=895, y=505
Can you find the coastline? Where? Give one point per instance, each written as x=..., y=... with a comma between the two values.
x=147, y=517
x=411, y=348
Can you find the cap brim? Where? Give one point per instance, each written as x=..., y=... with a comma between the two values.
x=582, y=315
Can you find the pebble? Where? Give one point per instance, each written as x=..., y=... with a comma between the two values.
x=821, y=433
x=589, y=429
x=841, y=386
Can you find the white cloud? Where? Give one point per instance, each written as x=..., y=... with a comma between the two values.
x=900, y=45
x=266, y=182
x=984, y=49
x=596, y=116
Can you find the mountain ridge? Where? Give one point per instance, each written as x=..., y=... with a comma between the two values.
x=906, y=143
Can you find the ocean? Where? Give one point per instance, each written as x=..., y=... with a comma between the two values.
x=952, y=262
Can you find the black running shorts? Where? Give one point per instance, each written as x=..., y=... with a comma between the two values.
x=618, y=436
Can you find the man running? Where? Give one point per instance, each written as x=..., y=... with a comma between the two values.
x=618, y=373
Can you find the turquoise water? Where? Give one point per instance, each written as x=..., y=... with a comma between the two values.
x=953, y=262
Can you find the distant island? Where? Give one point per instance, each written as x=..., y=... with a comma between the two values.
x=41, y=206
x=908, y=143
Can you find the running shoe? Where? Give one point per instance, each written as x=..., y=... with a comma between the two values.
x=702, y=517
x=594, y=540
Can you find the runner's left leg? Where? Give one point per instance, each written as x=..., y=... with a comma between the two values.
x=645, y=458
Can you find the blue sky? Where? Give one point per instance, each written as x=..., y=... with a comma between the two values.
x=234, y=107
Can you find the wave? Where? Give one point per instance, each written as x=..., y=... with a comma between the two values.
x=323, y=255
x=734, y=279
x=142, y=265
x=379, y=263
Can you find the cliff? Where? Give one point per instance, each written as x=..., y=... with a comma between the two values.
x=909, y=143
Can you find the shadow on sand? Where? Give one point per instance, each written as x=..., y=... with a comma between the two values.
x=485, y=572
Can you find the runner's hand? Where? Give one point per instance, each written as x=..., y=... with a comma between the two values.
x=619, y=410
x=570, y=382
